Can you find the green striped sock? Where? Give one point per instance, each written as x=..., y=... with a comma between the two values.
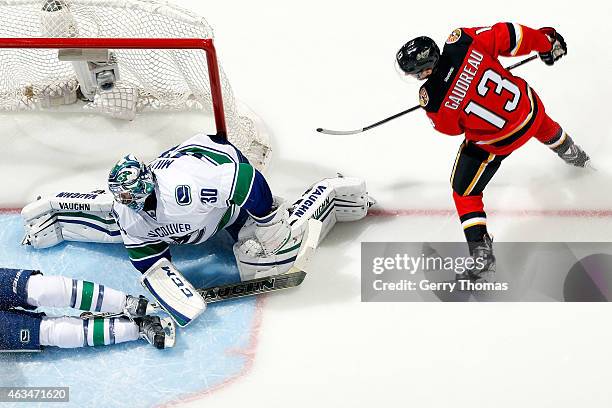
x=86, y=296
x=98, y=332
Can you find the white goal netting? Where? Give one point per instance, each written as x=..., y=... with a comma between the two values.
x=144, y=79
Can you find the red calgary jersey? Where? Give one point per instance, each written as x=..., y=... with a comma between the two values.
x=470, y=92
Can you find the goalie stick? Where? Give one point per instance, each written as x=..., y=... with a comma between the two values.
x=290, y=279
x=216, y=294
x=402, y=113
x=251, y=287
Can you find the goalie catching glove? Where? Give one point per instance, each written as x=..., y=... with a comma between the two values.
x=269, y=245
x=273, y=231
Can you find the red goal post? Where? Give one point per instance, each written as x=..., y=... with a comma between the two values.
x=205, y=45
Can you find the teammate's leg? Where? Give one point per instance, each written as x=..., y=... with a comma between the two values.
x=552, y=135
x=72, y=332
x=23, y=331
x=471, y=173
x=26, y=331
x=59, y=291
x=20, y=331
x=29, y=289
x=13, y=288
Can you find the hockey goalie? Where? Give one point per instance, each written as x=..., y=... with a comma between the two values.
x=185, y=196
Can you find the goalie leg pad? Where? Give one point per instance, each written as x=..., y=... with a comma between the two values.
x=352, y=201
x=175, y=294
x=332, y=200
x=72, y=217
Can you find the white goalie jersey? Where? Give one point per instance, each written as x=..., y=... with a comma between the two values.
x=200, y=186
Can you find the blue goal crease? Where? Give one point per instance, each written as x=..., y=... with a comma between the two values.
x=132, y=374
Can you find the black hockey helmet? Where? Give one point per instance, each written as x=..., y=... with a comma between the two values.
x=418, y=55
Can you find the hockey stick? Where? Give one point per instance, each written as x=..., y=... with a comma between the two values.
x=253, y=287
x=522, y=62
x=397, y=115
x=290, y=279
x=354, y=132
x=215, y=294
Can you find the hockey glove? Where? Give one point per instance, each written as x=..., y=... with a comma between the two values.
x=558, y=46
x=273, y=231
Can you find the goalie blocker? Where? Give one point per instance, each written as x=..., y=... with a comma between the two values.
x=173, y=291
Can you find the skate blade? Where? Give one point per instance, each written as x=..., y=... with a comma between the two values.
x=589, y=166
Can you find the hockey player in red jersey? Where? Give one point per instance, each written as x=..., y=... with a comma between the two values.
x=467, y=91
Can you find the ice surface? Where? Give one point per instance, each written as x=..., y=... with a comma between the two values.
x=321, y=63
x=212, y=351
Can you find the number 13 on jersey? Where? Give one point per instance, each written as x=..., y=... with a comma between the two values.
x=492, y=81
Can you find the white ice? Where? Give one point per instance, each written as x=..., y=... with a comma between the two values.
x=301, y=65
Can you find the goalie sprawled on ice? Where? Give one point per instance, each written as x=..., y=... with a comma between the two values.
x=185, y=196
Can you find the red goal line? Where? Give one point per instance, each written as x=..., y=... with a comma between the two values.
x=422, y=212
x=430, y=212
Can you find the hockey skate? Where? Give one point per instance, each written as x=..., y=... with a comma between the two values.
x=137, y=306
x=160, y=333
x=573, y=154
x=484, y=269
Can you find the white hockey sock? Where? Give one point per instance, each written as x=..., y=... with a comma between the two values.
x=58, y=291
x=71, y=332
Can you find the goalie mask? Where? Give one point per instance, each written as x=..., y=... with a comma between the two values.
x=131, y=182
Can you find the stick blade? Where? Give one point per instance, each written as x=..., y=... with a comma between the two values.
x=339, y=132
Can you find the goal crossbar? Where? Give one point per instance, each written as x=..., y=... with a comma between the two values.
x=205, y=45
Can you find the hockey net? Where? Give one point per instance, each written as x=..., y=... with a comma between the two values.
x=161, y=58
